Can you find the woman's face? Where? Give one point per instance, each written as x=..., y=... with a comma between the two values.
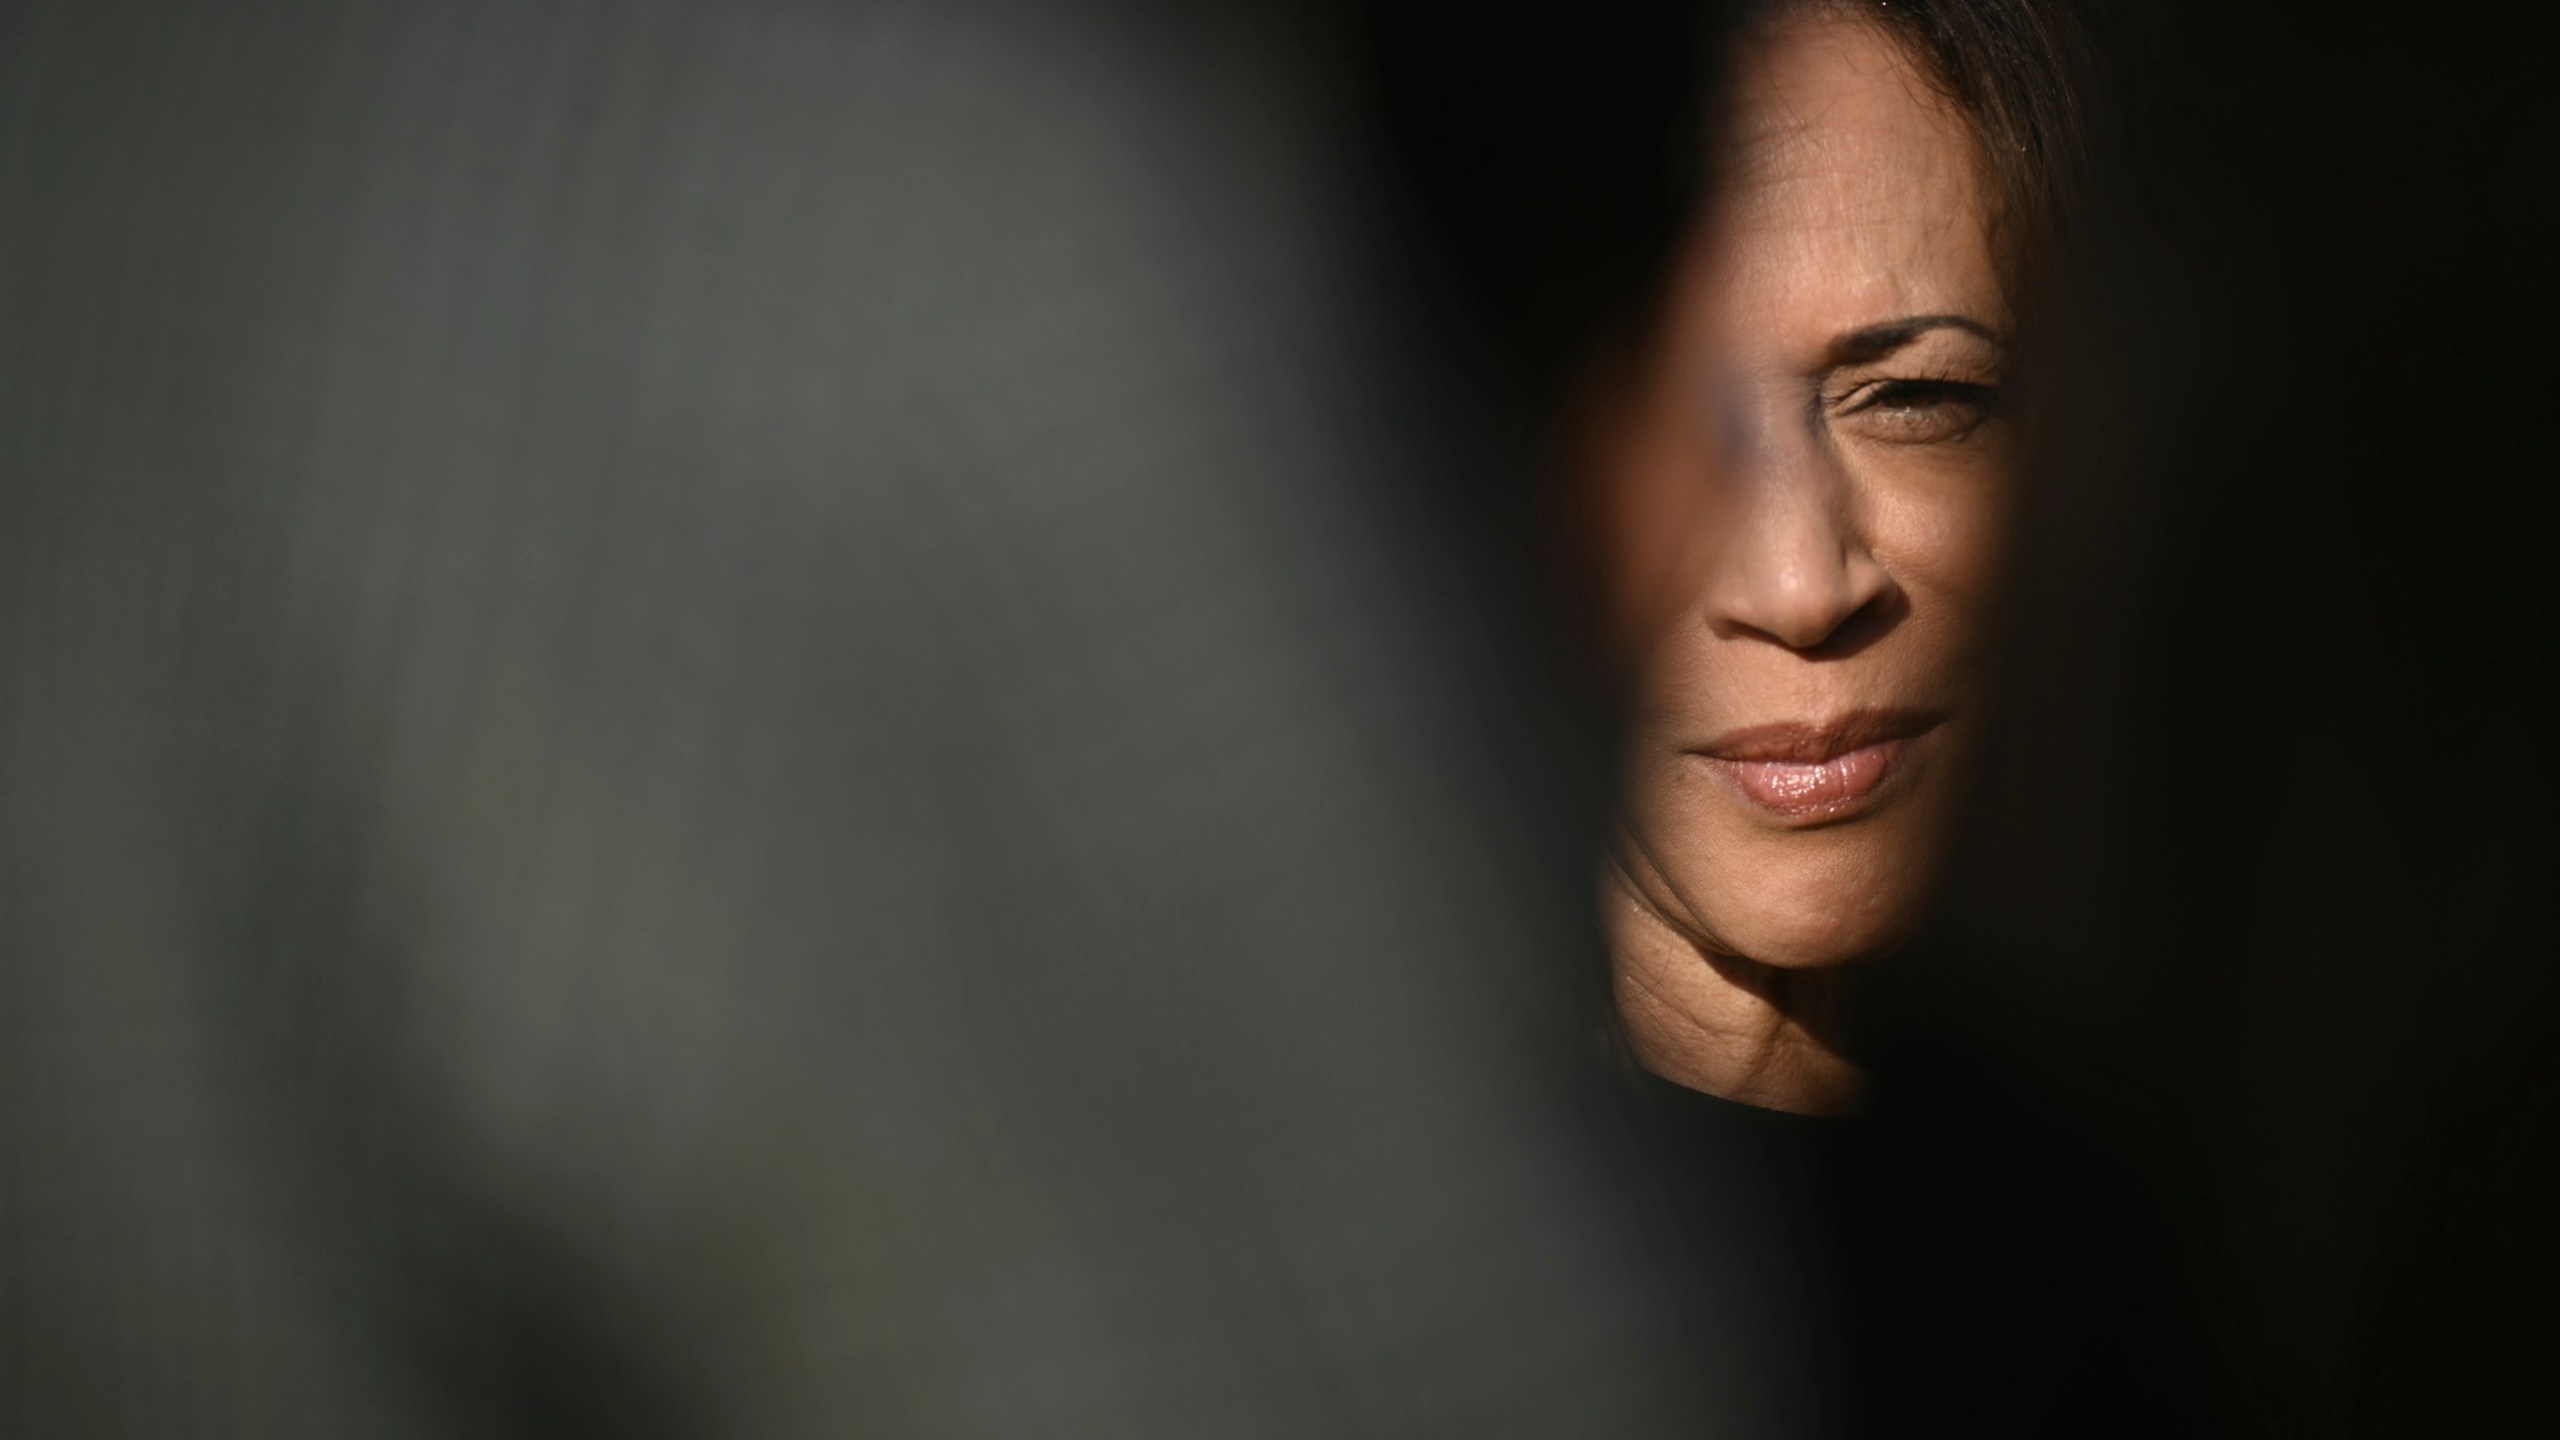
x=1811, y=480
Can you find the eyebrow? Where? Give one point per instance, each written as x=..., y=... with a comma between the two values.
x=1874, y=342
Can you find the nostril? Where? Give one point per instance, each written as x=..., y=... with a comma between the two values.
x=1832, y=622
x=1861, y=628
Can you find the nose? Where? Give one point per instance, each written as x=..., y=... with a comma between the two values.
x=1793, y=567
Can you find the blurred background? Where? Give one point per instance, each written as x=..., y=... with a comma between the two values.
x=810, y=718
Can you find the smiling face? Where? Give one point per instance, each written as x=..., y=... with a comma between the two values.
x=1810, y=479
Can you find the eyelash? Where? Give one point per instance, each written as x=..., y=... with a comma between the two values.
x=1925, y=408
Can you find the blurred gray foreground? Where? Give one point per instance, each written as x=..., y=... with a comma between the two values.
x=719, y=720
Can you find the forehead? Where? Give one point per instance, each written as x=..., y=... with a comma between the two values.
x=1851, y=190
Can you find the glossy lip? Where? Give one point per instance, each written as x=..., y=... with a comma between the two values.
x=1812, y=774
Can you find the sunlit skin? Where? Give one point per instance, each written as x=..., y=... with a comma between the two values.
x=1808, y=473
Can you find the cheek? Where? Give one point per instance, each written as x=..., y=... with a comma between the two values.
x=1941, y=529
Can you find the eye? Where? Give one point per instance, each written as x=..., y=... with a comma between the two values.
x=1918, y=412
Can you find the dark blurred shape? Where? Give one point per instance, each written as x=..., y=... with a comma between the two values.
x=2257, y=901
x=1552, y=155
x=768, y=719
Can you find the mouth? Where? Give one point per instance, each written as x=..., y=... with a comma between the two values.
x=1810, y=774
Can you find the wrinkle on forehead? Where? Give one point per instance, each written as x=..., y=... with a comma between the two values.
x=1812, y=77
x=1845, y=166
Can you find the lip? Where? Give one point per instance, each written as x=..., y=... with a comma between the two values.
x=1808, y=773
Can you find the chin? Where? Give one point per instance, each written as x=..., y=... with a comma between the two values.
x=1799, y=911
x=1793, y=900
x=1812, y=936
